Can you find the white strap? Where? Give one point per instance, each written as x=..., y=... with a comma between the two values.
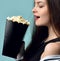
x=51, y=58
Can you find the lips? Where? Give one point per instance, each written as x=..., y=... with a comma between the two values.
x=36, y=17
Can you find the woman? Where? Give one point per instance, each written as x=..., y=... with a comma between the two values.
x=46, y=13
x=45, y=45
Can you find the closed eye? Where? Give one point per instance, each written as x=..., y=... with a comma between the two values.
x=41, y=6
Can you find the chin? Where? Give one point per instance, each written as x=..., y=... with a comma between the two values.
x=38, y=24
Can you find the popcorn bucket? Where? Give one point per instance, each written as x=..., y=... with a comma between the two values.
x=14, y=33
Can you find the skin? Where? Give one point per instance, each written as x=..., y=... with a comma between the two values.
x=41, y=9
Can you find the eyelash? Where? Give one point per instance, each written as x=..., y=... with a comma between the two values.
x=41, y=6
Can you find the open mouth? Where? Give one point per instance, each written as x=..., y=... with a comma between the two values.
x=36, y=17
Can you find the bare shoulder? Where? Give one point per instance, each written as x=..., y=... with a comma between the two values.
x=52, y=49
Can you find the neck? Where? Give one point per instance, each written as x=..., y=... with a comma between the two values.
x=52, y=34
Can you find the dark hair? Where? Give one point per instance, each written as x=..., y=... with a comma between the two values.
x=41, y=32
x=54, y=9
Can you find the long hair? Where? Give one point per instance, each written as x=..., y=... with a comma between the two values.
x=54, y=9
x=41, y=32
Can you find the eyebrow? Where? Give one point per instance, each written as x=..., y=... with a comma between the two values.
x=39, y=2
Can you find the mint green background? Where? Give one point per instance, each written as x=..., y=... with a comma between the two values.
x=15, y=8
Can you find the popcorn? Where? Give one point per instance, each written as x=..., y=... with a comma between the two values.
x=15, y=30
x=18, y=19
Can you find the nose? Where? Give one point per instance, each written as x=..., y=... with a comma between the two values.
x=34, y=10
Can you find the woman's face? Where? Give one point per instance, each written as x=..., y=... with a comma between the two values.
x=41, y=13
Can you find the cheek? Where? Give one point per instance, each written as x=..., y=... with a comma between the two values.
x=44, y=18
x=44, y=14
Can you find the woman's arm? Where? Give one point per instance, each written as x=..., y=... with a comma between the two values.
x=20, y=55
